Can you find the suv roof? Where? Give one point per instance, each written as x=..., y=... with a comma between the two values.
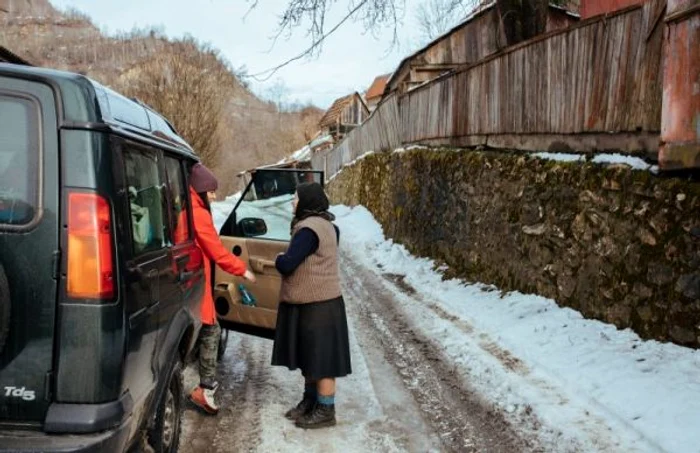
x=85, y=104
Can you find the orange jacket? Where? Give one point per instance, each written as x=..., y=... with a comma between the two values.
x=209, y=243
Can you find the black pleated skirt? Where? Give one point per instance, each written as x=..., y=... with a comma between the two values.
x=314, y=338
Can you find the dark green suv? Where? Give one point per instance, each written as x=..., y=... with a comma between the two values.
x=100, y=279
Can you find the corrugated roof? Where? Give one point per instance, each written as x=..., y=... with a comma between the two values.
x=377, y=87
x=336, y=109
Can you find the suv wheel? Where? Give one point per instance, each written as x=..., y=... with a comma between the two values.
x=223, y=343
x=4, y=308
x=164, y=437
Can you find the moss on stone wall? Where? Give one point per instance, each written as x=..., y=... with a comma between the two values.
x=618, y=245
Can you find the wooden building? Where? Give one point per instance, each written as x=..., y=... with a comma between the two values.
x=375, y=91
x=590, y=8
x=478, y=37
x=345, y=114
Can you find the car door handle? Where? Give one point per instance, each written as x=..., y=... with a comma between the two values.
x=135, y=274
x=152, y=308
x=259, y=264
x=182, y=260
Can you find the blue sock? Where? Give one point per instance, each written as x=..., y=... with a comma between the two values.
x=326, y=400
x=310, y=391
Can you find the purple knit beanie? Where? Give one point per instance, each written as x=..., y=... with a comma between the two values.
x=202, y=179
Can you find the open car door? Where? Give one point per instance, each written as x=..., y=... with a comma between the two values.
x=257, y=230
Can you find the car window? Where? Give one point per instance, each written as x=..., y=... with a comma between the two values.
x=146, y=201
x=178, y=201
x=273, y=183
x=269, y=197
x=19, y=153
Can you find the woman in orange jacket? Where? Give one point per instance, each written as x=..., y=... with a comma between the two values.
x=203, y=185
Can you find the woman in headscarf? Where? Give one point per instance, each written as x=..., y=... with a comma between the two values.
x=312, y=329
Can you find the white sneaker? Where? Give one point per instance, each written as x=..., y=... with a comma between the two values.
x=204, y=399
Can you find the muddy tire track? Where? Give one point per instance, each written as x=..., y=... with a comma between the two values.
x=595, y=428
x=244, y=375
x=505, y=357
x=462, y=420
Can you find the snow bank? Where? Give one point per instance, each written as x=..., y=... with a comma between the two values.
x=635, y=163
x=646, y=393
x=321, y=140
x=561, y=157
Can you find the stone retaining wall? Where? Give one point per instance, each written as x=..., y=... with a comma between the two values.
x=619, y=245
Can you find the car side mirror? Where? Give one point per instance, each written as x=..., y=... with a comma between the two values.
x=252, y=227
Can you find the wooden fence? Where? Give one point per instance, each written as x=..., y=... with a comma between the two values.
x=596, y=86
x=380, y=132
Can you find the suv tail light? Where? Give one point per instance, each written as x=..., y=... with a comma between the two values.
x=90, y=266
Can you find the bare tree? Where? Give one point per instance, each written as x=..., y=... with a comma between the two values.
x=189, y=86
x=278, y=93
x=185, y=81
x=521, y=20
x=374, y=14
x=435, y=17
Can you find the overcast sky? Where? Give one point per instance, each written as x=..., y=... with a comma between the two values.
x=349, y=61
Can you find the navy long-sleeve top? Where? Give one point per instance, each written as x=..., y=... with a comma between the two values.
x=304, y=243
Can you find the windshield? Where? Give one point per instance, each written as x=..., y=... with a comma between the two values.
x=269, y=198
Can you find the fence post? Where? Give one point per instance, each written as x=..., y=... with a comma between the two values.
x=680, y=116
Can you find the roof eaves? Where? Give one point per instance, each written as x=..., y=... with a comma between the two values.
x=478, y=11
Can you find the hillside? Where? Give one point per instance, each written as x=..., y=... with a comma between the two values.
x=250, y=131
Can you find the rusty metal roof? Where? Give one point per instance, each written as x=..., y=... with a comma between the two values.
x=377, y=87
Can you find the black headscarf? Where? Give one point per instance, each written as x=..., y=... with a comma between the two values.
x=312, y=202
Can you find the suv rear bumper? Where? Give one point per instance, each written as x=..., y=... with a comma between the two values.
x=114, y=440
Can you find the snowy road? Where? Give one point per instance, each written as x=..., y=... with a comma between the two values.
x=448, y=366
x=402, y=395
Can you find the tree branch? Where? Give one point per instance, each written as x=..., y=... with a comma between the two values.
x=268, y=73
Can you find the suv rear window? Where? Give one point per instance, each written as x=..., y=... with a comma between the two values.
x=19, y=152
x=146, y=201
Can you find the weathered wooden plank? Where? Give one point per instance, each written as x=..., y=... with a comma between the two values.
x=603, y=76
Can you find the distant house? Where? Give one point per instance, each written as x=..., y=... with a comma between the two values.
x=479, y=36
x=6, y=56
x=375, y=91
x=590, y=8
x=345, y=114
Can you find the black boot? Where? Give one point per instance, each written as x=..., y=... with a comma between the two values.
x=322, y=416
x=304, y=407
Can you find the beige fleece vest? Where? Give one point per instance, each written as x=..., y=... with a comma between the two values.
x=316, y=279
